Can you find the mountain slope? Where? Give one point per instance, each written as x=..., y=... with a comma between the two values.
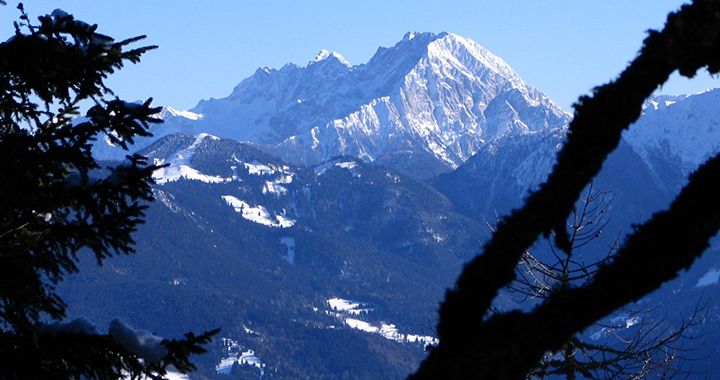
x=267, y=251
x=683, y=130
x=442, y=96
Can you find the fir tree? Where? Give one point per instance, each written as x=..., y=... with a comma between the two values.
x=55, y=200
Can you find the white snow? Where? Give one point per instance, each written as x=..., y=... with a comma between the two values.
x=257, y=168
x=225, y=365
x=361, y=325
x=169, y=111
x=236, y=354
x=342, y=307
x=324, y=54
x=625, y=321
x=142, y=343
x=683, y=127
x=340, y=304
x=180, y=166
x=275, y=187
x=618, y=322
x=170, y=375
x=348, y=165
x=258, y=214
x=176, y=376
x=248, y=357
x=710, y=278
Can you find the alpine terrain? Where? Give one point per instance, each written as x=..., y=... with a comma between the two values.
x=430, y=101
x=317, y=214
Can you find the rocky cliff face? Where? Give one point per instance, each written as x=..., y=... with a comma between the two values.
x=441, y=96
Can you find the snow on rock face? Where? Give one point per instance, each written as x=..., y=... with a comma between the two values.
x=324, y=54
x=684, y=127
x=455, y=97
x=142, y=343
x=442, y=94
x=168, y=112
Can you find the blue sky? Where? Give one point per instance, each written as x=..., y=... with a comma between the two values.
x=562, y=47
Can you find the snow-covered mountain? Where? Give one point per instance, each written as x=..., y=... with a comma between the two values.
x=442, y=96
x=271, y=237
x=683, y=130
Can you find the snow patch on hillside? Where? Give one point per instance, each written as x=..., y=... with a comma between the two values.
x=343, y=309
x=343, y=164
x=181, y=166
x=618, y=322
x=237, y=354
x=257, y=168
x=275, y=187
x=258, y=214
x=170, y=375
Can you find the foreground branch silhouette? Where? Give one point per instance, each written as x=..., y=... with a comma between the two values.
x=506, y=346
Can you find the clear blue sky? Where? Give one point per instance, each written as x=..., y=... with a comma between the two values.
x=562, y=47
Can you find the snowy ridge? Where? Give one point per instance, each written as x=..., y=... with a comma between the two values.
x=168, y=112
x=685, y=128
x=180, y=165
x=456, y=96
x=324, y=54
x=437, y=93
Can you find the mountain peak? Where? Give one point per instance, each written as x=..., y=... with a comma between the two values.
x=440, y=95
x=325, y=55
x=167, y=112
x=429, y=36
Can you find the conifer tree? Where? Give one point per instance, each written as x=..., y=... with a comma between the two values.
x=55, y=200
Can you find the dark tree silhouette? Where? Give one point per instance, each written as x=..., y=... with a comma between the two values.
x=56, y=200
x=633, y=344
x=507, y=346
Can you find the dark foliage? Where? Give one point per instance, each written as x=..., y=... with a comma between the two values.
x=54, y=204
